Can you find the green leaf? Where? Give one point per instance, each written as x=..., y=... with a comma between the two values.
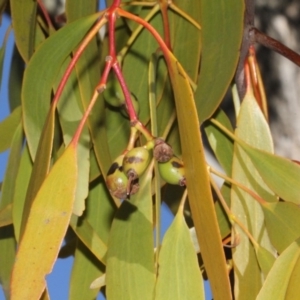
x=199, y=192
x=24, y=23
x=179, y=275
x=280, y=174
x=70, y=115
x=38, y=82
x=130, y=256
x=45, y=229
x=6, y=215
x=283, y=279
x=85, y=269
x=283, y=223
x=21, y=186
x=8, y=127
x=221, y=145
x=265, y=259
x=222, y=29
x=247, y=271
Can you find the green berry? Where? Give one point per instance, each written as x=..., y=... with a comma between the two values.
x=172, y=171
x=135, y=162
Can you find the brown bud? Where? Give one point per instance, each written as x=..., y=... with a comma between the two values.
x=162, y=151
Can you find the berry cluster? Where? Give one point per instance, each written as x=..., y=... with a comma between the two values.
x=123, y=176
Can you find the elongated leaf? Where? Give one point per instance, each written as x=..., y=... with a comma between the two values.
x=38, y=82
x=130, y=260
x=198, y=186
x=222, y=26
x=283, y=280
x=70, y=115
x=8, y=127
x=247, y=275
x=7, y=240
x=85, y=269
x=24, y=24
x=179, y=275
x=265, y=259
x=21, y=186
x=280, y=174
x=6, y=215
x=221, y=145
x=283, y=223
x=45, y=229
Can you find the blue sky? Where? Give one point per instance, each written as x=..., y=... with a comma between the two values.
x=58, y=280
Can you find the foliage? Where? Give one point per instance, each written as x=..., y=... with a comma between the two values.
x=85, y=157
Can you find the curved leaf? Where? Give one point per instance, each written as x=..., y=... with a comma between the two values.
x=8, y=127
x=130, y=257
x=280, y=174
x=179, y=276
x=47, y=224
x=38, y=82
x=24, y=23
x=222, y=28
x=283, y=223
x=198, y=185
x=283, y=280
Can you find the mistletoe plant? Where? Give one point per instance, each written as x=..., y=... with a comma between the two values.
x=103, y=129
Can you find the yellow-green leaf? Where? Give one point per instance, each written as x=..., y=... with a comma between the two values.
x=130, y=256
x=265, y=259
x=179, y=275
x=8, y=127
x=282, y=283
x=45, y=229
x=251, y=127
x=199, y=192
x=283, y=223
x=6, y=215
x=280, y=174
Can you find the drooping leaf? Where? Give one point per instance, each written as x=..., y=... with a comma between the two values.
x=199, y=192
x=8, y=127
x=46, y=226
x=130, y=260
x=283, y=223
x=24, y=19
x=265, y=259
x=221, y=145
x=282, y=281
x=6, y=215
x=280, y=174
x=7, y=240
x=179, y=275
x=21, y=186
x=247, y=271
x=70, y=115
x=222, y=28
x=38, y=82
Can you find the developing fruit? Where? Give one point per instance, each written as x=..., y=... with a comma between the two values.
x=172, y=171
x=135, y=162
x=162, y=151
x=118, y=183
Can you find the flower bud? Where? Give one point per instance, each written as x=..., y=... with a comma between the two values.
x=162, y=151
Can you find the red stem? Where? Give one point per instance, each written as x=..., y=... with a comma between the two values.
x=75, y=58
x=164, y=12
x=150, y=28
